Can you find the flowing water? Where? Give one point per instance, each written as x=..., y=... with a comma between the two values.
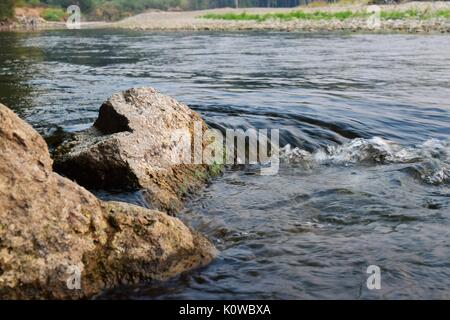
x=365, y=173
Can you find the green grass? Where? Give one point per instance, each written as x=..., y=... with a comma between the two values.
x=53, y=14
x=215, y=169
x=443, y=14
x=414, y=14
x=322, y=15
x=400, y=15
x=293, y=15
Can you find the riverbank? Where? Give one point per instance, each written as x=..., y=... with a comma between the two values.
x=30, y=19
x=411, y=17
x=31, y=23
x=427, y=17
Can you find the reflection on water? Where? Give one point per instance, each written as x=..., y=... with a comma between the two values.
x=365, y=179
x=16, y=70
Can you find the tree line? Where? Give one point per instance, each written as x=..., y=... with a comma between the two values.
x=208, y=4
x=6, y=9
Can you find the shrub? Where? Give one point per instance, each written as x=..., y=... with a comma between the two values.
x=53, y=14
x=107, y=11
x=6, y=9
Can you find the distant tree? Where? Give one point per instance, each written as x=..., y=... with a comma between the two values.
x=116, y=9
x=7, y=9
x=85, y=5
x=204, y=4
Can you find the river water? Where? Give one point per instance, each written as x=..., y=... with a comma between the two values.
x=365, y=173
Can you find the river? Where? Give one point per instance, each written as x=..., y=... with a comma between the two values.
x=364, y=180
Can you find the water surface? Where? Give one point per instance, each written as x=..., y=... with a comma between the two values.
x=365, y=175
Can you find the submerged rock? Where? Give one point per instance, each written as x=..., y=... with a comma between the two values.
x=54, y=232
x=132, y=145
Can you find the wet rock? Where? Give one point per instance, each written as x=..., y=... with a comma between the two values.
x=54, y=232
x=132, y=146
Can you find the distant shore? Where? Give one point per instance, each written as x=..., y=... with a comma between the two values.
x=194, y=20
x=396, y=19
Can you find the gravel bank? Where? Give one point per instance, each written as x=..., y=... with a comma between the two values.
x=192, y=20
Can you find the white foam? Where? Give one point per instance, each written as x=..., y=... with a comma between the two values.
x=430, y=159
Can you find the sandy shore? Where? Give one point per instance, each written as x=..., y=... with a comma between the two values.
x=193, y=21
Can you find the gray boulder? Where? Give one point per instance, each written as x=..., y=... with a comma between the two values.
x=132, y=145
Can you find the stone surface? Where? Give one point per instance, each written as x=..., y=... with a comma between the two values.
x=49, y=224
x=132, y=146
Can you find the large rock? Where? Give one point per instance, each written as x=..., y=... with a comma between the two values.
x=132, y=146
x=51, y=229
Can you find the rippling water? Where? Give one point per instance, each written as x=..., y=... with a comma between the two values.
x=365, y=172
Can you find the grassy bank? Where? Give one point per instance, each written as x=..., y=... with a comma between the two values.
x=324, y=15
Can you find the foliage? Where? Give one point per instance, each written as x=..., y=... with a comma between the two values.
x=293, y=15
x=324, y=15
x=6, y=9
x=53, y=14
x=29, y=3
x=215, y=169
x=116, y=9
x=399, y=15
x=443, y=14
